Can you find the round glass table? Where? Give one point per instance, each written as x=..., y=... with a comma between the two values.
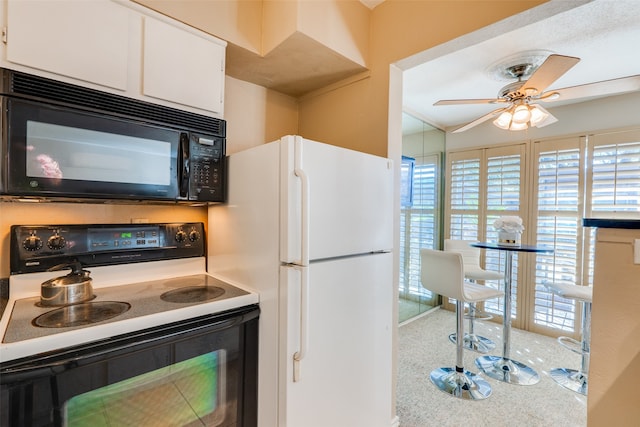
x=503, y=368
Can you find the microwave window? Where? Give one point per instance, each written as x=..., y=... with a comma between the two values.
x=63, y=152
x=188, y=393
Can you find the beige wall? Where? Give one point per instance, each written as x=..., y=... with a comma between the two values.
x=355, y=116
x=341, y=25
x=256, y=115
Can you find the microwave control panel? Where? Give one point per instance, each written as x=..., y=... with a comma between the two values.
x=207, y=162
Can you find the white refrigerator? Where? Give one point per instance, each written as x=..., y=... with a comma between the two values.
x=310, y=227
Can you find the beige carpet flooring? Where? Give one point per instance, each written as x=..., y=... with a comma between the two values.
x=424, y=346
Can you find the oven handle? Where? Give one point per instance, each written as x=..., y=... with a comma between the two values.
x=30, y=371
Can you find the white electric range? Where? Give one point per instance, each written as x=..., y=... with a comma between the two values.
x=158, y=341
x=158, y=270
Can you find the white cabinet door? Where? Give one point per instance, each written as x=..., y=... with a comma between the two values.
x=85, y=40
x=182, y=67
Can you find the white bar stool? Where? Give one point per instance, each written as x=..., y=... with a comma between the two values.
x=575, y=380
x=474, y=272
x=442, y=272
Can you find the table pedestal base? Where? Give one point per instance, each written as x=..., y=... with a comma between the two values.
x=571, y=379
x=507, y=370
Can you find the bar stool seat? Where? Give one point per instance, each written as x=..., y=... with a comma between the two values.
x=474, y=272
x=442, y=273
x=575, y=380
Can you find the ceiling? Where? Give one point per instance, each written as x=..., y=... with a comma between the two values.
x=604, y=34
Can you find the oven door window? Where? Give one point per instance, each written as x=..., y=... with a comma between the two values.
x=191, y=392
x=56, y=151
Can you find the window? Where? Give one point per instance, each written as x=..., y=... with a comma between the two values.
x=483, y=185
x=565, y=194
x=464, y=188
x=569, y=179
x=419, y=224
x=558, y=224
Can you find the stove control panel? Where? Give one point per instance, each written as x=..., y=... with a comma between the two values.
x=40, y=247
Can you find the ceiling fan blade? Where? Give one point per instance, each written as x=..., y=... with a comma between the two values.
x=470, y=101
x=482, y=119
x=550, y=71
x=603, y=88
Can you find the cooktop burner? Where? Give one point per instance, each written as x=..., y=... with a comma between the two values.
x=84, y=313
x=192, y=294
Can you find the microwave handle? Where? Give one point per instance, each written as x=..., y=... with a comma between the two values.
x=183, y=165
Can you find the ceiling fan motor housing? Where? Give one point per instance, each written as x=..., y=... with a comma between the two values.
x=512, y=91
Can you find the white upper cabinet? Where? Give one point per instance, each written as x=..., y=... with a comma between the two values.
x=116, y=46
x=84, y=40
x=182, y=66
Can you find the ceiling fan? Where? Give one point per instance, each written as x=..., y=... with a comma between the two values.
x=524, y=95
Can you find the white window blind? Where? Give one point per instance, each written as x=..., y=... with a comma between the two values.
x=464, y=195
x=483, y=185
x=419, y=224
x=613, y=182
x=615, y=175
x=558, y=224
x=504, y=194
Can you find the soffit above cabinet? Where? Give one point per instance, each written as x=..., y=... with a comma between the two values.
x=292, y=47
x=295, y=67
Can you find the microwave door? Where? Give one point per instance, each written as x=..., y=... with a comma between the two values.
x=55, y=151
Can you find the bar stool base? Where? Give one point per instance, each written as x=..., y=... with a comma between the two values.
x=467, y=385
x=475, y=342
x=571, y=379
x=507, y=370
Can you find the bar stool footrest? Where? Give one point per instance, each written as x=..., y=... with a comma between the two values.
x=475, y=343
x=571, y=344
x=478, y=315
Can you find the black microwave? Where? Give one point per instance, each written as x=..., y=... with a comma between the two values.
x=66, y=142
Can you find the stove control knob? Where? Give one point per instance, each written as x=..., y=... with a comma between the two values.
x=56, y=242
x=194, y=235
x=32, y=243
x=181, y=236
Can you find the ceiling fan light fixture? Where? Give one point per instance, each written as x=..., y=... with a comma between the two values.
x=521, y=114
x=504, y=120
x=518, y=126
x=538, y=115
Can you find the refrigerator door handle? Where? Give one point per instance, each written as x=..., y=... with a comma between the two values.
x=300, y=173
x=304, y=325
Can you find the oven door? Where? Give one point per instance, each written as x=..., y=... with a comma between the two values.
x=63, y=152
x=201, y=371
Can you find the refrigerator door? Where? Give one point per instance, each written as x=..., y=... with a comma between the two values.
x=335, y=202
x=337, y=370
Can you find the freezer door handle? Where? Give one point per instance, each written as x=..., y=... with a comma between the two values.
x=304, y=324
x=304, y=211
